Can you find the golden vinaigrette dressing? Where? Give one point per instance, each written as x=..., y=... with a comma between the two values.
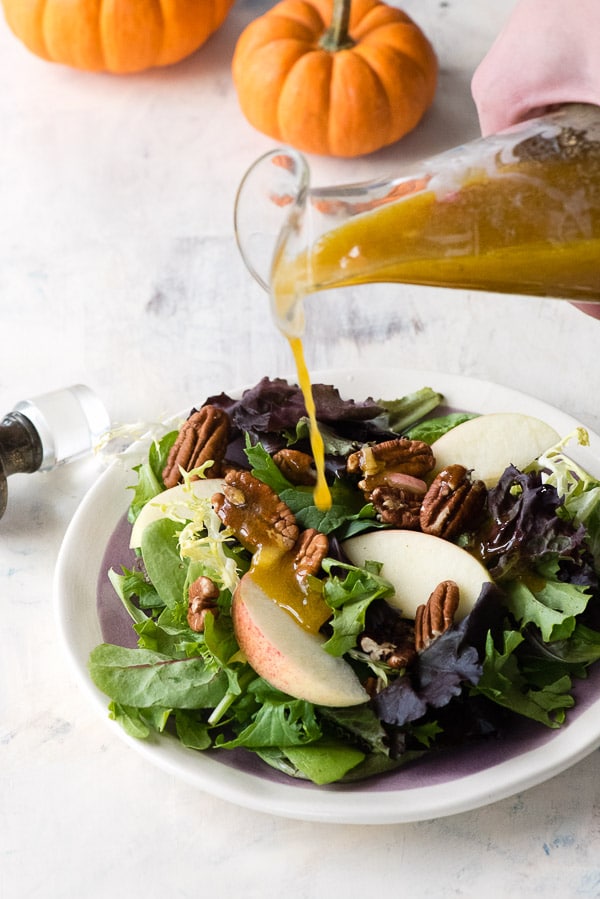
x=274, y=572
x=322, y=494
x=532, y=229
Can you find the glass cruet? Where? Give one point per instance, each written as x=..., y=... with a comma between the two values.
x=517, y=212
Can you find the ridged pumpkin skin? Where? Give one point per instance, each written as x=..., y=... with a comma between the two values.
x=343, y=103
x=119, y=36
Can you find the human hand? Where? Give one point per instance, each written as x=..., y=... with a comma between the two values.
x=592, y=309
x=546, y=55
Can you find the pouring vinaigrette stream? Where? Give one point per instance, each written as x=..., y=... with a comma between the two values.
x=517, y=212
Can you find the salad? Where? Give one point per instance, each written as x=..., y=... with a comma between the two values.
x=433, y=604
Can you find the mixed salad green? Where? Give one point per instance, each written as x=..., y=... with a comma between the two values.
x=531, y=634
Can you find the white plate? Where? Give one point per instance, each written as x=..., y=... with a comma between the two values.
x=465, y=779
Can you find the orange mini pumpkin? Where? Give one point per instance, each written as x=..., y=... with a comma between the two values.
x=334, y=77
x=118, y=36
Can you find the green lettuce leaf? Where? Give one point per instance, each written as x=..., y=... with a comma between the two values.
x=279, y=722
x=130, y=586
x=164, y=565
x=192, y=730
x=552, y=607
x=133, y=720
x=144, y=679
x=350, y=597
x=150, y=483
x=401, y=413
x=503, y=681
x=326, y=761
x=433, y=428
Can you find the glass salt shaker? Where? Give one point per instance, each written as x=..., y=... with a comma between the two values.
x=48, y=430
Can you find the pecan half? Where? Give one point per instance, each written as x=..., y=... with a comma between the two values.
x=435, y=617
x=311, y=548
x=388, y=637
x=296, y=466
x=203, y=437
x=399, y=504
x=381, y=463
x=453, y=504
x=202, y=598
x=255, y=513
x=394, y=656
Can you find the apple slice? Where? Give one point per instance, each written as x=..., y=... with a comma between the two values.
x=415, y=563
x=489, y=443
x=287, y=656
x=172, y=503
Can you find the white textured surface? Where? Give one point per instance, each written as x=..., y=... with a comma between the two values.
x=118, y=268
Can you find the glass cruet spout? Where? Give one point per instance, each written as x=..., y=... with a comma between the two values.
x=278, y=216
x=270, y=217
x=517, y=212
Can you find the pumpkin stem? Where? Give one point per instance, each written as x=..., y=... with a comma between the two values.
x=337, y=37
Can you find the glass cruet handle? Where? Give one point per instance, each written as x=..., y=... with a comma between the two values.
x=272, y=192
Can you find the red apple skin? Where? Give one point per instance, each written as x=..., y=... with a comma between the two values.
x=290, y=658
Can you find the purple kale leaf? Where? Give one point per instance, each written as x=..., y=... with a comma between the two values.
x=437, y=676
x=274, y=405
x=445, y=666
x=400, y=702
x=525, y=527
x=270, y=406
x=270, y=411
x=452, y=660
